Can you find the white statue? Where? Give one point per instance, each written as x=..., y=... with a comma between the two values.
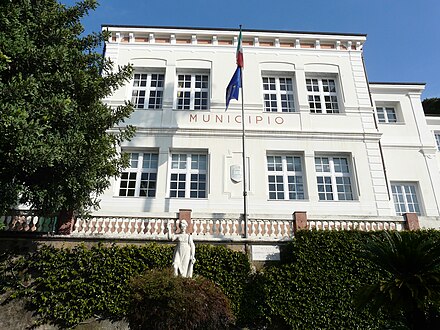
x=184, y=252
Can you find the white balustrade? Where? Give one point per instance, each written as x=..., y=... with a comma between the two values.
x=394, y=223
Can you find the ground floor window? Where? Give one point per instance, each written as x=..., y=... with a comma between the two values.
x=188, y=175
x=139, y=179
x=405, y=198
x=285, y=177
x=334, y=178
x=437, y=140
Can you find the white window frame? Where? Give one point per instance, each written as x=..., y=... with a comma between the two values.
x=406, y=198
x=273, y=93
x=181, y=183
x=152, y=86
x=437, y=140
x=191, y=91
x=328, y=178
x=285, y=180
x=317, y=94
x=386, y=114
x=142, y=181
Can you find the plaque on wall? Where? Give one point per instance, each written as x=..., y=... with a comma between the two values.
x=236, y=174
x=265, y=252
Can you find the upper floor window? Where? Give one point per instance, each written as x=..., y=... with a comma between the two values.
x=405, y=198
x=333, y=178
x=322, y=95
x=139, y=179
x=285, y=177
x=437, y=140
x=386, y=115
x=278, y=94
x=192, y=91
x=188, y=175
x=147, y=90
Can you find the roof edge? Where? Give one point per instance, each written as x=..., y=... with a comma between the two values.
x=396, y=83
x=233, y=29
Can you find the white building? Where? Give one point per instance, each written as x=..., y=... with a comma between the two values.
x=319, y=137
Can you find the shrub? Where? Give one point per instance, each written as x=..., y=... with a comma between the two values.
x=313, y=286
x=159, y=300
x=68, y=286
x=227, y=268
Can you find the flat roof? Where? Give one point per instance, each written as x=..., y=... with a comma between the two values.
x=232, y=29
x=396, y=83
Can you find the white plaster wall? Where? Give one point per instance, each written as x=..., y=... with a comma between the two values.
x=352, y=132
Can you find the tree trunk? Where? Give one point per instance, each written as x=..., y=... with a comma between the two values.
x=65, y=222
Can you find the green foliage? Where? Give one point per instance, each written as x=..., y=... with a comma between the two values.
x=228, y=269
x=67, y=286
x=431, y=106
x=162, y=301
x=313, y=288
x=55, y=146
x=409, y=282
x=71, y=285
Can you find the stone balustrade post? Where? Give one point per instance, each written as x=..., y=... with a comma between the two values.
x=411, y=221
x=65, y=223
x=299, y=220
x=185, y=214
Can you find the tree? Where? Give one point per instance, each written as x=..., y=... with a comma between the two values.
x=431, y=106
x=409, y=283
x=56, y=148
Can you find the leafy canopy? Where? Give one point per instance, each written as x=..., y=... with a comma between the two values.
x=409, y=285
x=431, y=106
x=56, y=150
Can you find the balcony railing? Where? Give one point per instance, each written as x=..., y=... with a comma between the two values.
x=204, y=227
x=28, y=222
x=209, y=229
x=356, y=223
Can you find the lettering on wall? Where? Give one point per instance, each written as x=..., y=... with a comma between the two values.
x=231, y=119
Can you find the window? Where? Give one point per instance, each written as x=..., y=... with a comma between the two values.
x=333, y=178
x=405, y=198
x=386, y=115
x=278, y=94
x=285, y=178
x=188, y=175
x=147, y=90
x=437, y=140
x=139, y=179
x=322, y=94
x=192, y=91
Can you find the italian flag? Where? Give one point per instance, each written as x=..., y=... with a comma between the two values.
x=240, y=52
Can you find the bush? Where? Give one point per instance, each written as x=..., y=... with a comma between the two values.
x=159, y=300
x=227, y=268
x=314, y=285
x=67, y=286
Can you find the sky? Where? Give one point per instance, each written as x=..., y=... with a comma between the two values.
x=403, y=36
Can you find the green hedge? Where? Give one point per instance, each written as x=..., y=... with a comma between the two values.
x=311, y=288
x=315, y=284
x=71, y=285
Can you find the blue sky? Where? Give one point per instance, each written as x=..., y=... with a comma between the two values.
x=403, y=36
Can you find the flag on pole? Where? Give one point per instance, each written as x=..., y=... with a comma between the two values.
x=240, y=62
x=233, y=89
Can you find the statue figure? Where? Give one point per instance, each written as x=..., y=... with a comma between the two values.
x=184, y=252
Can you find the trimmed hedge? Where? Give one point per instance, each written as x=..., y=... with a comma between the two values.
x=311, y=288
x=71, y=285
x=314, y=285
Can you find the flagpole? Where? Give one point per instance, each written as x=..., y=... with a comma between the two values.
x=243, y=135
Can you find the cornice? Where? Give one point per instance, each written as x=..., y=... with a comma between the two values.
x=128, y=34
